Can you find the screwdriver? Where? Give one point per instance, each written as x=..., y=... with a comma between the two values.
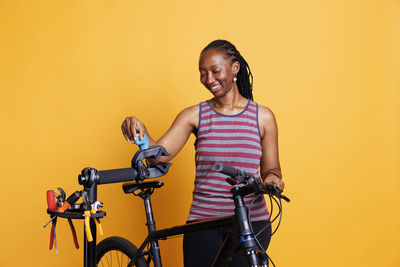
x=51, y=204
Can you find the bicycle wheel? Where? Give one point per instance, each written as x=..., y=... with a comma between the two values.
x=117, y=251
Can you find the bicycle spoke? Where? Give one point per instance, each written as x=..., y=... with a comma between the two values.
x=119, y=264
x=107, y=256
x=119, y=258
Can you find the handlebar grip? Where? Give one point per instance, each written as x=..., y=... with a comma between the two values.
x=117, y=176
x=225, y=169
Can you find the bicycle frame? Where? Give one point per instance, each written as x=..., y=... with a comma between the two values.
x=227, y=251
x=90, y=178
x=154, y=235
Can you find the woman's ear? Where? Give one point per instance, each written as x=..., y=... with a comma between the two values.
x=235, y=67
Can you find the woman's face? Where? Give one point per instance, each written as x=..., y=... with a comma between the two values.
x=217, y=72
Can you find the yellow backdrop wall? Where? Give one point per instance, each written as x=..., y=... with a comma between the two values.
x=71, y=71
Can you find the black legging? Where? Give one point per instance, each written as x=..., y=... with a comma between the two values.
x=201, y=248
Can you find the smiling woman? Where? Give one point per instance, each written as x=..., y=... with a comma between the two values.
x=229, y=128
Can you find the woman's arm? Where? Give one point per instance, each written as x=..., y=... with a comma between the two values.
x=174, y=139
x=269, y=164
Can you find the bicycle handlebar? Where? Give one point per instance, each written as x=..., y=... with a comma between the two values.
x=139, y=170
x=226, y=169
x=117, y=175
x=249, y=181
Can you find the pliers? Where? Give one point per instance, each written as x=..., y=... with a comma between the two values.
x=53, y=235
x=89, y=210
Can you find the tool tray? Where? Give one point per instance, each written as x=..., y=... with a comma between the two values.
x=75, y=214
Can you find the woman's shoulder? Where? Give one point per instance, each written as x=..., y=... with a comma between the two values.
x=266, y=120
x=190, y=111
x=189, y=115
x=265, y=114
x=264, y=110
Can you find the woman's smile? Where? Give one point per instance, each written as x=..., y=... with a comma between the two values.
x=214, y=87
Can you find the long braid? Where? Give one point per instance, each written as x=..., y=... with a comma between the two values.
x=244, y=76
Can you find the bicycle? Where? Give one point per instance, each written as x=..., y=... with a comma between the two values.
x=94, y=255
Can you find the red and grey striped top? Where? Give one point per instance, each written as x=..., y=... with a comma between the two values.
x=234, y=140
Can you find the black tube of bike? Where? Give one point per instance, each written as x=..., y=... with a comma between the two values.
x=192, y=227
x=151, y=225
x=89, y=250
x=247, y=238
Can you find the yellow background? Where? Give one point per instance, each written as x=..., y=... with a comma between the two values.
x=71, y=71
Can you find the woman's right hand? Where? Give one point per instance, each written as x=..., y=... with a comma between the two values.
x=132, y=126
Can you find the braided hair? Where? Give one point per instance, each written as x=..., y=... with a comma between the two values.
x=244, y=76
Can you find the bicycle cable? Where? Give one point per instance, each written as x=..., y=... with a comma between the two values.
x=270, y=224
x=280, y=213
x=263, y=250
x=269, y=258
x=173, y=237
x=272, y=206
x=251, y=204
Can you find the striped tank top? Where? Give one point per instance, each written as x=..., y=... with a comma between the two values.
x=234, y=140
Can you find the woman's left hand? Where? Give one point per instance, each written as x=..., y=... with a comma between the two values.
x=274, y=180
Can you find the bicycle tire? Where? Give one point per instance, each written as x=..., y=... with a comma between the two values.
x=117, y=251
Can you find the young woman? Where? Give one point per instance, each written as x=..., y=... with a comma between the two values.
x=229, y=128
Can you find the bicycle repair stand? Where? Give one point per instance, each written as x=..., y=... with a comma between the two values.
x=90, y=178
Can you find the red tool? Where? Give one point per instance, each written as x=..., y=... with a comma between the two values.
x=53, y=236
x=51, y=205
x=51, y=201
x=71, y=225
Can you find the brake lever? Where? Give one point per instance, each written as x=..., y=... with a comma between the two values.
x=256, y=184
x=285, y=198
x=231, y=181
x=275, y=191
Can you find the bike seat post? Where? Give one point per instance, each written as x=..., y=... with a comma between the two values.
x=145, y=195
x=151, y=225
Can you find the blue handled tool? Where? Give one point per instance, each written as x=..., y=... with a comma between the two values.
x=144, y=143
